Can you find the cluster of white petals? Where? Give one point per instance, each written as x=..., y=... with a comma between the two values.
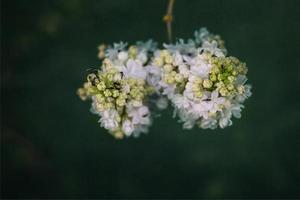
x=119, y=89
x=205, y=86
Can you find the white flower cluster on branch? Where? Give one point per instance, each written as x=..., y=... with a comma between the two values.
x=205, y=86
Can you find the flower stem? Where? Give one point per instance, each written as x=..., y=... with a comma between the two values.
x=168, y=18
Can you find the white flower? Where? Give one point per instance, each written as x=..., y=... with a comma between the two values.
x=182, y=47
x=135, y=103
x=109, y=119
x=199, y=66
x=216, y=101
x=205, y=87
x=236, y=110
x=149, y=46
x=183, y=69
x=181, y=102
x=127, y=127
x=178, y=60
x=188, y=124
x=211, y=123
x=139, y=115
x=212, y=47
x=142, y=57
x=225, y=120
x=120, y=89
x=246, y=93
x=112, y=52
x=134, y=69
x=201, y=35
x=154, y=76
x=168, y=90
x=196, y=98
x=123, y=56
x=230, y=109
x=202, y=109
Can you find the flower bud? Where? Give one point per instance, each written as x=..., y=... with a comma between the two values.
x=207, y=83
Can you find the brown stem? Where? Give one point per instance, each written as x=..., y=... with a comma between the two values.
x=168, y=18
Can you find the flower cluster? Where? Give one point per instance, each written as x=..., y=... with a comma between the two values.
x=205, y=86
x=119, y=91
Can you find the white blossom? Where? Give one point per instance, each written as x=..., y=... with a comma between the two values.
x=205, y=86
x=211, y=87
x=134, y=69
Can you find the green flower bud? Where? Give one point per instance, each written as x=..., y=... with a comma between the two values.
x=101, y=86
x=107, y=93
x=135, y=93
x=231, y=79
x=120, y=101
x=212, y=114
x=170, y=79
x=139, y=96
x=241, y=89
x=100, y=98
x=107, y=62
x=108, y=105
x=93, y=79
x=110, y=77
x=198, y=94
x=92, y=90
x=118, y=135
x=198, y=81
x=115, y=93
x=224, y=92
x=213, y=77
x=132, y=51
x=158, y=62
x=164, y=53
x=100, y=106
x=230, y=87
x=87, y=85
x=196, y=87
x=234, y=73
x=173, y=73
x=168, y=59
x=168, y=68
x=229, y=68
x=131, y=82
x=207, y=83
x=178, y=78
x=215, y=69
x=220, y=77
x=82, y=94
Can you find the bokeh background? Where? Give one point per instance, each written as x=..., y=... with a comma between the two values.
x=52, y=146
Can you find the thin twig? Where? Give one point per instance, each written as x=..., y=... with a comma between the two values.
x=168, y=18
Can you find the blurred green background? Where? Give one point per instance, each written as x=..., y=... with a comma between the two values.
x=52, y=146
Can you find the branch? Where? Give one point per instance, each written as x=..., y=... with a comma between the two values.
x=168, y=18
